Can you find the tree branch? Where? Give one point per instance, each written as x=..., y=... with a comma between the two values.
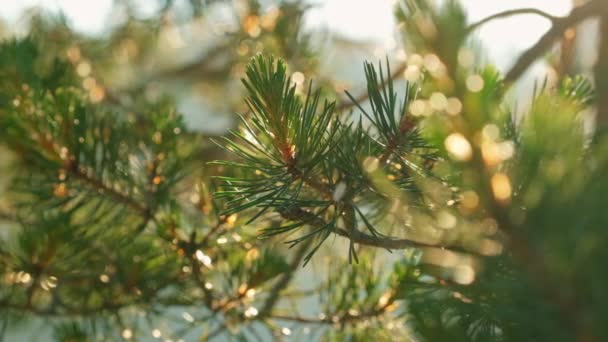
x=389, y=243
x=510, y=13
x=560, y=25
x=355, y=235
x=601, y=73
x=113, y=194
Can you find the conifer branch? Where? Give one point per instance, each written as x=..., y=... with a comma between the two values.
x=59, y=308
x=355, y=235
x=345, y=318
x=406, y=126
x=510, y=13
x=535, y=265
x=560, y=25
x=102, y=188
x=568, y=302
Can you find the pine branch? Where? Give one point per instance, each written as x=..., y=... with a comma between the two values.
x=536, y=266
x=103, y=189
x=406, y=126
x=54, y=312
x=355, y=235
x=560, y=25
x=510, y=13
x=335, y=318
x=72, y=167
x=59, y=308
x=200, y=68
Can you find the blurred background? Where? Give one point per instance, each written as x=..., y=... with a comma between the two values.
x=195, y=50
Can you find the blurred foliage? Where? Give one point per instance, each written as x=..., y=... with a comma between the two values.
x=435, y=210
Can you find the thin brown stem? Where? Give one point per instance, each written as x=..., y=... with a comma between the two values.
x=510, y=13
x=406, y=126
x=388, y=151
x=355, y=235
x=560, y=25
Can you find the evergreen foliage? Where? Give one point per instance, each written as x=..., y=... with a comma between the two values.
x=435, y=209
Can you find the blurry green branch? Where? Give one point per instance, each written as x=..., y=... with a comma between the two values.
x=495, y=224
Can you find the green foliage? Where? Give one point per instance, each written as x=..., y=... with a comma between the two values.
x=300, y=157
x=436, y=210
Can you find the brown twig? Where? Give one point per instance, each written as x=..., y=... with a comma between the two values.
x=560, y=25
x=406, y=126
x=510, y=13
x=389, y=243
x=355, y=235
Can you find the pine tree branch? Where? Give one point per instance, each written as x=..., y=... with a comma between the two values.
x=341, y=318
x=535, y=265
x=313, y=183
x=216, y=229
x=54, y=312
x=406, y=126
x=58, y=307
x=102, y=188
x=288, y=158
x=199, y=67
x=389, y=243
x=73, y=169
x=355, y=235
x=334, y=319
x=560, y=25
x=510, y=13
